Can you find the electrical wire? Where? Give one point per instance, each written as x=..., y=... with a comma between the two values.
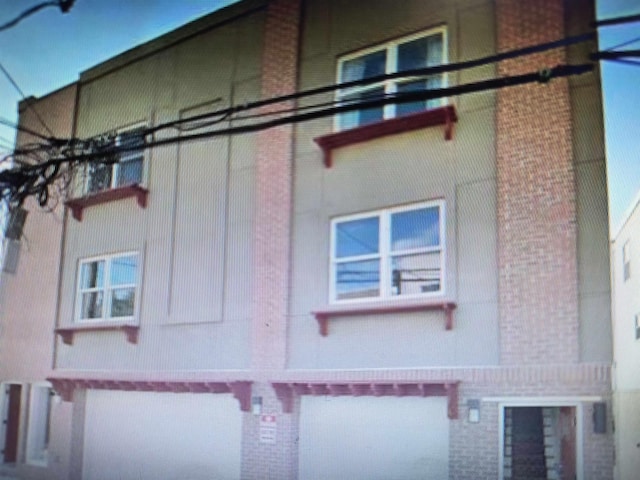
x=22, y=128
x=626, y=62
x=24, y=98
x=623, y=44
x=616, y=21
x=427, y=71
x=28, y=12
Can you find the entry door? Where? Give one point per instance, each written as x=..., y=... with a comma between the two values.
x=567, y=428
x=11, y=421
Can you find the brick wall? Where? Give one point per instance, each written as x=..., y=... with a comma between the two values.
x=272, y=231
x=274, y=190
x=536, y=195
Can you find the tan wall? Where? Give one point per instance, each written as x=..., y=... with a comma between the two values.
x=194, y=237
x=391, y=171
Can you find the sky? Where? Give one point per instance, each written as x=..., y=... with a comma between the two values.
x=49, y=49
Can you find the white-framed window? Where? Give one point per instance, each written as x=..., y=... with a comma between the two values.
x=39, y=423
x=425, y=49
x=126, y=168
x=391, y=253
x=108, y=287
x=626, y=261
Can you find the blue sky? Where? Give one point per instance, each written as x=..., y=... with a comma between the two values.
x=48, y=50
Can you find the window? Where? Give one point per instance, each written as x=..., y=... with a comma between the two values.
x=125, y=169
x=390, y=253
x=107, y=287
x=39, y=424
x=626, y=261
x=637, y=325
x=427, y=49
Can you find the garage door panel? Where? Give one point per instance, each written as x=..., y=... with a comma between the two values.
x=145, y=436
x=373, y=438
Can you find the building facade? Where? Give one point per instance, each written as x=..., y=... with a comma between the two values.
x=626, y=343
x=28, y=300
x=417, y=290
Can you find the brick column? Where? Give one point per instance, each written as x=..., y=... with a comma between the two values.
x=537, y=250
x=272, y=227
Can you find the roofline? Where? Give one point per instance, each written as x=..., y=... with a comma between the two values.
x=31, y=99
x=627, y=216
x=180, y=34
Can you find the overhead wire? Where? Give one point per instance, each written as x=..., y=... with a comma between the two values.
x=27, y=13
x=24, y=98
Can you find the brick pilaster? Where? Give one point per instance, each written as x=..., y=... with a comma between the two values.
x=537, y=249
x=274, y=191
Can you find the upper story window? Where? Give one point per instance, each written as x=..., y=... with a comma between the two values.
x=637, y=325
x=107, y=287
x=626, y=261
x=426, y=49
x=391, y=253
x=126, y=168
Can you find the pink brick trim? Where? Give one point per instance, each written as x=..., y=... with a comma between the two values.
x=272, y=227
x=537, y=238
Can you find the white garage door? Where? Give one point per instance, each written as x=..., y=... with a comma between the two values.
x=373, y=438
x=151, y=436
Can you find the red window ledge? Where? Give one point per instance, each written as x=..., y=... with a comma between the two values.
x=67, y=333
x=429, y=118
x=77, y=205
x=323, y=316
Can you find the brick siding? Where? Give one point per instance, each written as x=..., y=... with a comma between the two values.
x=537, y=249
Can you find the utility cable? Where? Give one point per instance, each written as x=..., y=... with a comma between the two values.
x=403, y=97
x=616, y=21
x=623, y=44
x=22, y=128
x=30, y=11
x=435, y=70
x=24, y=98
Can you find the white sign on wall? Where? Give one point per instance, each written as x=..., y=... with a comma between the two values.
x=268, y=429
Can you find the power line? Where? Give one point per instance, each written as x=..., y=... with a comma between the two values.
x=623, y=44
x=427, y=71
x=22, y=128
x=24, y=97
x=64, y=6
x=616, y=21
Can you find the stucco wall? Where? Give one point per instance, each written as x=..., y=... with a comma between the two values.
x=421, y=166
x=194, y=237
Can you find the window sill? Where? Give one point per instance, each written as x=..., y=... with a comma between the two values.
x=429, y=118
x=129, y=329
x=77, y=205
x=323, y=316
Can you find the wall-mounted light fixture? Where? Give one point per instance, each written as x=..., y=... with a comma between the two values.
x=256, y=405
x=474, y=410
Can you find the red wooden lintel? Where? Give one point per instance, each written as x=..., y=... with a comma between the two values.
x=242, y=392
x=77, y=205
x=446, y=116
x=284, y=392
x=323, y=316
x=67, y=333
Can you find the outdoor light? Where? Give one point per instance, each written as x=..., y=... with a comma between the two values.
x=474, y=410
x=256, y=405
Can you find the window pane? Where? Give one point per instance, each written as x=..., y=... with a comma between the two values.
x=423, y=52
x=358, y=279
x=129, y=172
x=364, y=116
x=413, y=107
x=122, y=302
x=366, y=66
x=415, y=229
x=415, y=274
x=357, y=237
x=92, y=275
x=91, y=305
x=99, y=177
x=123, y=270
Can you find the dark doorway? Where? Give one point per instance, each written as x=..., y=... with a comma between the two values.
x=11, y=421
